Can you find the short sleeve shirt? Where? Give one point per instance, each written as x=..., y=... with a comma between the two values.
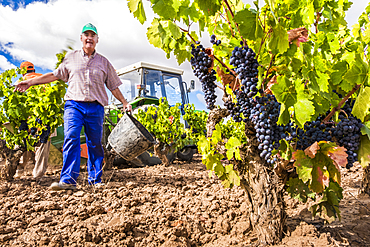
x=87, y=77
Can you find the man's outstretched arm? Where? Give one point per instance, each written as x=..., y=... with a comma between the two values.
x=24, y=85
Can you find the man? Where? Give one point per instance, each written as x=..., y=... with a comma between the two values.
x=42, y=149
x=87, y=73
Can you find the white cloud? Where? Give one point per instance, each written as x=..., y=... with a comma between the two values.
x=201, y=99
x=5, y=65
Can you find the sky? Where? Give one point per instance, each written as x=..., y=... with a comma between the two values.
x=36, y=30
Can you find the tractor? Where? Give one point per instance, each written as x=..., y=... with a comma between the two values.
x=143, y=84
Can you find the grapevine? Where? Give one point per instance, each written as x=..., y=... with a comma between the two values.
x=303, y=95
x=164, y=122
x=28, y=118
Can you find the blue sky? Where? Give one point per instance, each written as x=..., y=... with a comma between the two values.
x=35, y=30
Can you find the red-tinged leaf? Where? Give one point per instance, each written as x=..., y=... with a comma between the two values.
x=339, y=156
x=311, y=151
x=320, y=179
x=303, y=165
x=299, y=154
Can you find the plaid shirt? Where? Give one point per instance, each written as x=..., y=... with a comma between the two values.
x=86, y=77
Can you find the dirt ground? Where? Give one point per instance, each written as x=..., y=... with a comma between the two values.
x=170, y=206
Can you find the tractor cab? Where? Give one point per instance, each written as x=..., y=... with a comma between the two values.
x=145, y=83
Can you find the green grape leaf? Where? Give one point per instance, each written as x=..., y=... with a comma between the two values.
x=174, y=29
x=137, y=9
x=339, y=70
x=232, y=147
x=303, y=164
x=329, y=204
x=362, y=104
x=286, y=95
x=303, y=109
x=365, y=130
x=156, y=34
x=356, y=75
x=279, y=42
x=299, y=190
x=219, y=169
x=164, y=9
x=213, y=160
x=203, y=145
x=216, y=135
x=209, y=7
x=364, y=151
x=248, y=24
x=232, y=178
x=285, y=150
x=323, y=81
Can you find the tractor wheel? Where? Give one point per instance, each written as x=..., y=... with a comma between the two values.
x=149, y=159
x=186, y=154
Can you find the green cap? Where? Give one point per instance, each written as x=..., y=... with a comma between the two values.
x=89, y=27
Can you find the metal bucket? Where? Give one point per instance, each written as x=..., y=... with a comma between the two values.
x=130, y=138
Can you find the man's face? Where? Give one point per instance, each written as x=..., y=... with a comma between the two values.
x=89, y=40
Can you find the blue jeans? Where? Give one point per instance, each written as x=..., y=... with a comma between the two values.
x=91, y=116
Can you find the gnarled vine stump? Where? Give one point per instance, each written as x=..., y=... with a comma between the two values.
x=263, y=186
x=366, y=181
x=10, y=160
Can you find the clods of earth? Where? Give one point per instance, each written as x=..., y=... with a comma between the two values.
x=172, y=206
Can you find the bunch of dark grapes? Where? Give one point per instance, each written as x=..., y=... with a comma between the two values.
x=243, y=59
x=202, y=63
x=23, y=126
x=264, y=116
x=314, y=131
x=261, y=111
x=45, y=134
x=33, y=131
x=348, y=133
x=214, y=40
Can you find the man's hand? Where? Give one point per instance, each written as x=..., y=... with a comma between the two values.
x=128, y=108
x=22, y=86
x=118, y=94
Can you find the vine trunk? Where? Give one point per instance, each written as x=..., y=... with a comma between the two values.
x=161, y=150
x=10, y=159
x=366, y=181
x=264, y=191
x=264, y=188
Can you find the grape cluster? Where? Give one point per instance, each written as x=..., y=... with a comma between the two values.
x=261, y=111
x=243, y=59
x=202, y=63
x=33, y=131
x=314, y=131
x=348, y=133
x=23, y=126
x=45, y=134
x=214, y=40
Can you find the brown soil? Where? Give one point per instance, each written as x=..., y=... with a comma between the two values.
x=170, y=206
